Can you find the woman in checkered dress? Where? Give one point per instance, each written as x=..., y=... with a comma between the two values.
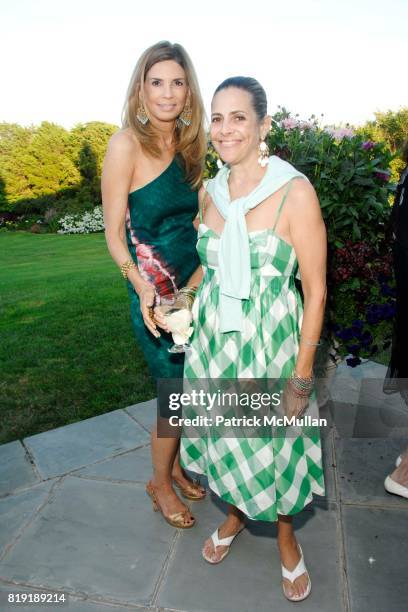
x=258, y=228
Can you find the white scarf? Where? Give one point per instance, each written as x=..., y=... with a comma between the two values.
x=234, y=255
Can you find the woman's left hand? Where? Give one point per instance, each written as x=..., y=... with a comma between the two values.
x=293, y=404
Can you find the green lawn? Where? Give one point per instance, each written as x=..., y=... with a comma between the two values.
x=67, y=350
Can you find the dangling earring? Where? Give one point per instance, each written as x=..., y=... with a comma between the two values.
x=263, y=158
x=141, y=114
x=184, y=119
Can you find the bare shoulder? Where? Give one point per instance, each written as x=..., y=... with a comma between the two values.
x=302, y=190
x=303, y=198
x=123, y=143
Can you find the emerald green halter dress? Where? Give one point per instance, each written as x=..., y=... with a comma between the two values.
x=162, y=241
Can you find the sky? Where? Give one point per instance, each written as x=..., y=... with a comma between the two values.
x=70, y=61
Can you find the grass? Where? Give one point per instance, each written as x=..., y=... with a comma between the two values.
x=67, y=350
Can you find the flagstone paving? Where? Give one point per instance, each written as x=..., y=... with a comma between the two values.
x=75, y=519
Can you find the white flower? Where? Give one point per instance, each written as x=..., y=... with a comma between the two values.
x=84, y=223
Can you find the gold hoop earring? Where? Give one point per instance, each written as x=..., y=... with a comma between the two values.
x=263, y=150
x=184, y=119
x=141, y=114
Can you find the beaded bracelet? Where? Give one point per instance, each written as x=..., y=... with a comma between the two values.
x=125, y=267
x=302, y=386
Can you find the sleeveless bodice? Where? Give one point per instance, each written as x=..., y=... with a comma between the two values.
x=270, y=254
x=159, y=230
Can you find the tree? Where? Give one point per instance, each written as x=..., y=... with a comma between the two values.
x=48, y=167
x=88, y=144
x=14, y=141
x=389, y=126
x=95, y=134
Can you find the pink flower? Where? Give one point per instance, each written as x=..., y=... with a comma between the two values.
x=289, y=123
x=340, y=133
x=305, y=125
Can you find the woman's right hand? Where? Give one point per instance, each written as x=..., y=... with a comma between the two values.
x=147, y=293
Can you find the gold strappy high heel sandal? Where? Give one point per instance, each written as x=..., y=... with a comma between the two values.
x=178, y=519
x=191, y=491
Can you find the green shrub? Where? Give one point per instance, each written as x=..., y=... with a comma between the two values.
x=352, y=179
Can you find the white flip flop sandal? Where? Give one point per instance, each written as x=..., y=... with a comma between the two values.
x=221, y=542
x=291, y=576
x=394, y=487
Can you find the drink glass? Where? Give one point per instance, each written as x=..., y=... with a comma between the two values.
x=176, y=310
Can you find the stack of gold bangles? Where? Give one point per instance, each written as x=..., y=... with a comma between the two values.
x=125, y=267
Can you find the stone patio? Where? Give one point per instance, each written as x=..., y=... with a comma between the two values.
x=75, y=518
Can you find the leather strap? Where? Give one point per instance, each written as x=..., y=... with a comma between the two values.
x=223, y=541
x=281, y=204
x=298, y=571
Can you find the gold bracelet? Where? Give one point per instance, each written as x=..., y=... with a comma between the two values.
x=125, y=267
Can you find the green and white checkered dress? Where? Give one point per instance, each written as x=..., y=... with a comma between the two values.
x=263, y=477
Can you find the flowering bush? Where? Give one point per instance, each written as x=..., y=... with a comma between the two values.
x=19, y=222
x=351, y=176
x=361, y=299
x=83, y=223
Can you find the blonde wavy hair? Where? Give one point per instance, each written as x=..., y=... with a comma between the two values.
x=190, y=141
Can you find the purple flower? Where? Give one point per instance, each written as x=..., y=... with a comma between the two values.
x=380, y=312
x=356, y=328
x=383, y=176
x=345, y=334
x=388, y=311
x=366, y=338
x=387, y=291
x=353, y=361
x=368, y=144
x=373, y=314
x=353, y=349
x=358, y=323
x=357, y=333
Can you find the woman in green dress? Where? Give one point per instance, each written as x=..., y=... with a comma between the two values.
x=152, y=171
x=260, y=224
